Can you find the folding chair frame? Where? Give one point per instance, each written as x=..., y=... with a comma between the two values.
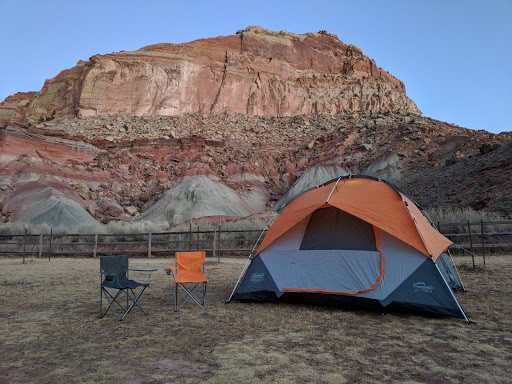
x=190, y=293
x=130, y=294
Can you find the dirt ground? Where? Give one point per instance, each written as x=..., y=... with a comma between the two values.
x=50, y=332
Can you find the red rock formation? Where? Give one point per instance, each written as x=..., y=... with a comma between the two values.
x=267, y=107
x=255, y=72
x=12, y=104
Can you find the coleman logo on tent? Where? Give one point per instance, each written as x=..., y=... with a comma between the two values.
x=257, y=277
x=420, y=286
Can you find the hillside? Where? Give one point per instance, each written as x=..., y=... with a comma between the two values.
x=251, y=113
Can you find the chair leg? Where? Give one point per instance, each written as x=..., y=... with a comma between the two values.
x=190, y=294
x=204, y=296
x=134, y=297
x=101, y=300
x=108, y=296
x=175, y=297
x=135, y=301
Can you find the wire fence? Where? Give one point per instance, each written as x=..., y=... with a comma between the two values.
x=474, y=237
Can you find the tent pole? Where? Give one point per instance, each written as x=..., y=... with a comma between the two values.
x=449, y=254
x=456, y=269
x=432, y=258
x=239, y=278
x=337, y=181
x=417, y=229
x=249, y=259
x=451, y=292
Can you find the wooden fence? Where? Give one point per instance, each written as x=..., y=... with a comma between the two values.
x=478, y=236
x=216, y=243
x=471, y=236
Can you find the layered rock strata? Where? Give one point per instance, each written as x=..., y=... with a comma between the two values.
x=256, y=72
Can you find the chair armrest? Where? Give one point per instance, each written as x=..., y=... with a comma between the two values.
x=143, y=270
x=207, y=266
x=170, y=270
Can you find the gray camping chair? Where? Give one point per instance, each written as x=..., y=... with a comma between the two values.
x=114, y=276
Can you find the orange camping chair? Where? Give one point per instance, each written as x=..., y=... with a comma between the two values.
x=188, y=274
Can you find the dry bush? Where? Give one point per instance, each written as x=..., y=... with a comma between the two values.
x=453, y=215
x=119, y=227
x=51, y=333
x=18, y=228
x=462, y=215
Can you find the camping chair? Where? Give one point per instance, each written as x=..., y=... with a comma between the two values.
x=114, y=276
x=188, y=274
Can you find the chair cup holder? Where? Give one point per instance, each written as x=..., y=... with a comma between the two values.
x=168, y=272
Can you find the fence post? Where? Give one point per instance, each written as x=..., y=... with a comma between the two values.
x=25, y=242
x=50, y=252
x=95, y=248
x=190, y=235
x=40, y=245
x=471, y=244
x=219, y=240
x=214, y=242
x=483, y=241
x=149, y=245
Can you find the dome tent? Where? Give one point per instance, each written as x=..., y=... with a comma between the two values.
x=357, y=237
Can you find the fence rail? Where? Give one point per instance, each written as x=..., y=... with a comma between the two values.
x=488, y=235
x=215, y=242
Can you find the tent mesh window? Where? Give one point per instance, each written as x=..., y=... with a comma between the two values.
x=331, y=228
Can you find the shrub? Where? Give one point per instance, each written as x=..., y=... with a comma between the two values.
x=486, y=148
x=452, y=160
x=462, y=215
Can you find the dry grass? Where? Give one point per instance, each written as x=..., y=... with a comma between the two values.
x=51, y=333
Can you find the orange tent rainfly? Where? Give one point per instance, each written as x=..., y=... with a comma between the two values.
x=358, y=238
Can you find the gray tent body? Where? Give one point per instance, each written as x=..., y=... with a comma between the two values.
x=331, y=252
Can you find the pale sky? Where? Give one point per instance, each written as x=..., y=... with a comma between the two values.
x=454, y=56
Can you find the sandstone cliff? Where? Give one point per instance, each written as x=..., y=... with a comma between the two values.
x=148, y=135
x=255, y=72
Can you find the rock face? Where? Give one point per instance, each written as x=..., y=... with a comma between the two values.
x=14, y=103
x=255, y=72
x=195, y=197
x=479, y=181
x=229, y=126
x=36, y=203
x=313, y=177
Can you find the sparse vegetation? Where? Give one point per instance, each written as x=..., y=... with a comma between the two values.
x=486, y=148
x=457, y=215
x=46, y=322
x=450, y=161
x=42, y=119
x=18, y=228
